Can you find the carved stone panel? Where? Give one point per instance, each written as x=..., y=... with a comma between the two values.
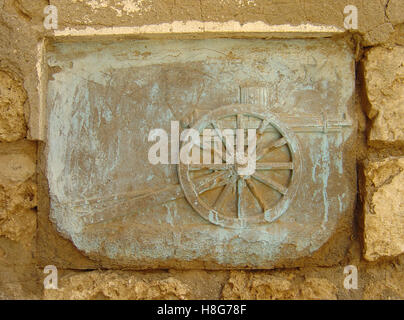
x=104, y=99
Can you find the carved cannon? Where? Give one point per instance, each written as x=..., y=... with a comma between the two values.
x=277, y=152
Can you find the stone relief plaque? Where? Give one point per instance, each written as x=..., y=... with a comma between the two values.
x=105, y=98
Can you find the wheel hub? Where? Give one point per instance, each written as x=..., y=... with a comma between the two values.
x=251, y=191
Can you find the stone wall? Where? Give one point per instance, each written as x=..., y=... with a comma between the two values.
x=376, y=245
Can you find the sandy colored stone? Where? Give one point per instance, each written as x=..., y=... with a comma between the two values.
x=12, y=99
x=385, y=281
x=17, y=219
x=3, y=203
x=318, y=289
x=395, y=11
x=379, y=34
x=135, y=12
x=384, y=75
x=262, y=286
x=398, y=36
x=248, y=286
x=384, y=209
x=31, y=9
x=116, y=285
x=16, y=168
x=20, y=226
x=22, y=196
x=18, y=283
x=18, y=192
x=375, y=18
x=18, y=275
x=382, y=290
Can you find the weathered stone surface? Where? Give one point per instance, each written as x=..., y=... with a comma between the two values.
x=384, y=281
x=378, y=34
x=18, y=192
x=113, y=203
x=250, y=286
x=116, y=286
x=16, y=168
x=384, y=74
x=383, y=290
x=261, y=286
x=294, y=12
x=19, y=282
x=21, y=19
x=397, y=37
x=375, y=18
x=17, y=220
x=32, y=10
x=18, y=274
x=12, y=99
x=384, y=209
x=20, y=226
x=395, y=10
x=318, y=289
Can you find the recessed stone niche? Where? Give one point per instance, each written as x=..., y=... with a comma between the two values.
x=117, y=208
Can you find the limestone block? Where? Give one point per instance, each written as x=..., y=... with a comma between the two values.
x=395, y=10
x=17, y=219
x=384, y=209
x=16, y=168
x=378, y=34
x=383, y=290
x=31, y=9
x=318, y=289
x=250, y=286
x=262, y=286
x=12, y=99
x=20, y=226
x=18, y=191
x=116, y=286
x=384, y=75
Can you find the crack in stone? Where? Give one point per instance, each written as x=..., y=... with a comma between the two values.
x=386, y=7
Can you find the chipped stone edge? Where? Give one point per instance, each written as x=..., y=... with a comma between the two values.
x=37, y=121
x=209, y=29
x=369, y=255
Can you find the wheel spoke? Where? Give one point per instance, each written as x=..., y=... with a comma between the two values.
x=212, y=166
x=271, y=183
x=251, y=185
x=209, y=148
x=240, y=146
x=223, y=197
x=239, y=125
x=274, y=166
x=240, y=188
x=273, y=145
x=211, y=181
x=260, y=133
x=262, y=127
x=218, y=132
x=240, y=121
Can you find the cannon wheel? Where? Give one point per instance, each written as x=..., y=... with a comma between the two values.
x=226, y=198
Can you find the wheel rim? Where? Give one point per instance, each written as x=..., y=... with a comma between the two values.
x=226, y=198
